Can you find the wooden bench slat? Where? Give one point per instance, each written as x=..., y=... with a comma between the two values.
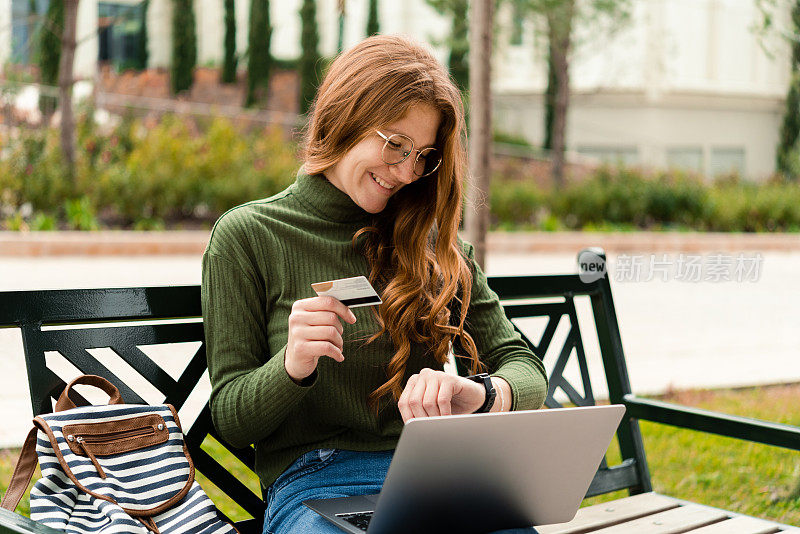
x=739, y=525
x=675, y=521
x=611, y=513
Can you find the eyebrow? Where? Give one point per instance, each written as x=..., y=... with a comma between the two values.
x=395, y=130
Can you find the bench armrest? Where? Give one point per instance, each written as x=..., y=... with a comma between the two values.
x=775, y=434
x=11, y=522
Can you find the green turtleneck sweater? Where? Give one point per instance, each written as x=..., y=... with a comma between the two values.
x=262, y=257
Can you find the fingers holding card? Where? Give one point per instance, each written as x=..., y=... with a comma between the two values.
x=354, y=292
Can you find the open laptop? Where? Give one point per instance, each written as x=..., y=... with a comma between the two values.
x=479, y=473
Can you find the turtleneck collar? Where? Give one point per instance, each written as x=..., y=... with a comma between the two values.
x=326, y=200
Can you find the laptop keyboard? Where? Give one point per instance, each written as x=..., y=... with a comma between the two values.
x=357, y=519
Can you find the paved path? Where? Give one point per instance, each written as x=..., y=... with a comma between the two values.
x=676, y=334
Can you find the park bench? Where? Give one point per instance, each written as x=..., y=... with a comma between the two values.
x=57, y=325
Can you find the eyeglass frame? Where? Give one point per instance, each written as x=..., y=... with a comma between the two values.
x=416, y=158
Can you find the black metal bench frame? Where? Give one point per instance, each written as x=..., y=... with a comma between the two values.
x=522, y=296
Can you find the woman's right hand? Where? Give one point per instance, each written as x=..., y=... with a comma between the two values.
x=315, y=330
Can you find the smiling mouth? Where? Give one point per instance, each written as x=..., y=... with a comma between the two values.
x=381, y=182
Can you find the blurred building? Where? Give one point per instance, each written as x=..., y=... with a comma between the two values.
x=685, y=84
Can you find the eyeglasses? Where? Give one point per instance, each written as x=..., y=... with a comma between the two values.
x=398, y=147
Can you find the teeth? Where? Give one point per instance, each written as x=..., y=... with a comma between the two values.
x=381, y=182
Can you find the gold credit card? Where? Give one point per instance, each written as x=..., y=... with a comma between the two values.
x=353, y=292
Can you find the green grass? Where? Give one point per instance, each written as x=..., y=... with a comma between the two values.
x=736, y=475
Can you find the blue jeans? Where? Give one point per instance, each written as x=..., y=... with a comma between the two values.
x=323, y=474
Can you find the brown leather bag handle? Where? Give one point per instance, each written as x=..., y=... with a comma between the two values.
x=23, y=472
x=65, y=403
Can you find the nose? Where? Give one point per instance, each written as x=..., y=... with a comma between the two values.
x=404, y=172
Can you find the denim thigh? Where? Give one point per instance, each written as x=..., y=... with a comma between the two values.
x=325, y=474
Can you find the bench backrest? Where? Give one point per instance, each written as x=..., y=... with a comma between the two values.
x=125, y=327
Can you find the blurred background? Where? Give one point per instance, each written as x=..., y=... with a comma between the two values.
x=607, y=114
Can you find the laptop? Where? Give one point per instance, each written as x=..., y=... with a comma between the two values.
x=479, y=473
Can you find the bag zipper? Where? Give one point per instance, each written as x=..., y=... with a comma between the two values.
x=106, y=437
x=121, y=434
x=82, y=443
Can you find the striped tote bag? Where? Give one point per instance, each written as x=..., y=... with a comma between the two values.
x=116, y=468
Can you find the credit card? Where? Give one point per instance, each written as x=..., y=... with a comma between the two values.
x=353, y=292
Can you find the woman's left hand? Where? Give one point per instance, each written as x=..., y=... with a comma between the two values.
x=432, y=393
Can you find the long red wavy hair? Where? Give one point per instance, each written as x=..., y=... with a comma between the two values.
x=411, y=245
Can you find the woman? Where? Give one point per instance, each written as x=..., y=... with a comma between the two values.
x=321, y=390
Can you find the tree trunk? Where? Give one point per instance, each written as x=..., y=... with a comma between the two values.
x=559, y=36
x=549, y=102
x=65, y=82
x=480, y=135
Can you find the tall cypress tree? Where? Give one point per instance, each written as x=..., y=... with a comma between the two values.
x=229, y=66
x=184, y=45
x=459, y=47
x=373, y=26
x=790, y=129
x=309, y=58
x=50, y=54
x=258, y=57
x=458, y=61
x=141, y=50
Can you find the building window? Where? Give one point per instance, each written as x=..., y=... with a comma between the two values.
x=727, y=160
x=26, y=21
x=617, y=155
x=120, y=28
x=685, y=158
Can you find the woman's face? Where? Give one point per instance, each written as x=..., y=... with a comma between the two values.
x=357, y=171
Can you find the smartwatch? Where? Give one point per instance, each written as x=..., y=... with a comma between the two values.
x=491, y=393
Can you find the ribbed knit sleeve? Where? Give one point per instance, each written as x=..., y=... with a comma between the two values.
x=499, y=345
x=252, y=393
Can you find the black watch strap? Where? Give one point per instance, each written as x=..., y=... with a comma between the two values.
x=491, y=393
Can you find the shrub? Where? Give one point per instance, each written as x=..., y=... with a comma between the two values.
x=141, y=176
x=515, y=203
x=628, y=196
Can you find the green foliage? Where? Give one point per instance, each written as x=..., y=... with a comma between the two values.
x=16, y=223
x=373, y=25
x=43, y=223
x=229, y=66
x=80, y=214
x=50, y=53
x=516, y=203
x=142, y=55
x=149, y=225
x=754, y=208
x=790, y=129
x=458, y=40
x=35, y=172
x=142, y=178
x=184, y=45
x=258, y=55
x=621, y=199
x=621, y=195
x=309, y=58
x=510, y=139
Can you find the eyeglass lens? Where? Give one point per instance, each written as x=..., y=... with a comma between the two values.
x=398, y=147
